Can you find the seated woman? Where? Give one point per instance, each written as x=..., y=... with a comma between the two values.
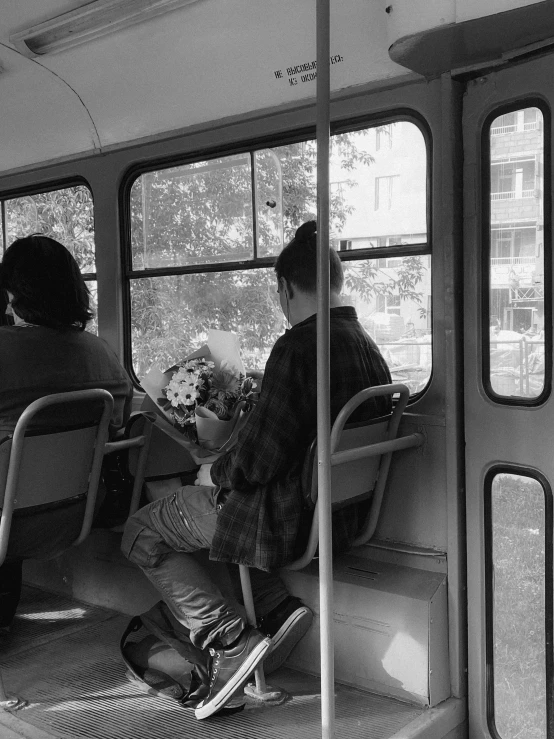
x=47, y=351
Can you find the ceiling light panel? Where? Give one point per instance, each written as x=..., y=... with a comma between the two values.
x=89, y=22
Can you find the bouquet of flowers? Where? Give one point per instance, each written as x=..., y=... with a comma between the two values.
x=206, y=395
x=198, y=395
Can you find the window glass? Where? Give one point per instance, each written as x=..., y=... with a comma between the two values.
x=362, y=168
x=516, y=260
x=171, y=315
x=383, y=191
x=92, y=325
x=66, y=215
x=194, y=214
x=244, y=208
x=518, y=605
x=392, y=303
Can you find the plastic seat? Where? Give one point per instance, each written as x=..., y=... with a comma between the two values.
x=55, y=454
x=168, y=457
x=360, y=461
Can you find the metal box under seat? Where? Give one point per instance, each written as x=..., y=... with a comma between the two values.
x=391, y=628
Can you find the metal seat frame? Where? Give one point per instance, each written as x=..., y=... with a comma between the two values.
x=50, y=465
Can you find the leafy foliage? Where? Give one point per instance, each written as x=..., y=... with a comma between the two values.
x=67, y=216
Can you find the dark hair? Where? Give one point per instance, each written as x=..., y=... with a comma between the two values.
x=297, y=263
x=47, y=286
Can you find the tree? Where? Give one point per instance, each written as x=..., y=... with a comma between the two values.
x=368, y=279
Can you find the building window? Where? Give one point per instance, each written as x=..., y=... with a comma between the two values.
x=514, y=179
x=393, y=305
x=513, y=244
x=383, y=137
x=528, y=119
x=384, y=189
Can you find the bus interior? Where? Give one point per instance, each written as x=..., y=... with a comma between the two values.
x=171, y=146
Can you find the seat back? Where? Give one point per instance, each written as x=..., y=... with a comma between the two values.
x=47, y=462
x=360, y=462
x=45, y=475
x=167, y=457
x=350, y=481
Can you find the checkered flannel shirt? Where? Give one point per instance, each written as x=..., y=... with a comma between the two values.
x=261, y=521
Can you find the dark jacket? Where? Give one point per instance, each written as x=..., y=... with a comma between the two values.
x=260, y=523
x=37, y=361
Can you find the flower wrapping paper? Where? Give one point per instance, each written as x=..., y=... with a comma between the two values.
x=214, y=435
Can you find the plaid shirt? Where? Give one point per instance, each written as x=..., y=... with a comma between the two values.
x=261, y=521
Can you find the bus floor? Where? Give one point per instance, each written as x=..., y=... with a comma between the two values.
x=62, y=658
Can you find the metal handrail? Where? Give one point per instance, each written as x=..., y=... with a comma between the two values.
x=323, y=33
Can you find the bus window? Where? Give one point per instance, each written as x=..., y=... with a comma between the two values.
x=236, y=212
x=194, y=214
x=516, y=619
x=374, y=287
x=171, y=315
x=516, y=255
x=66, y=215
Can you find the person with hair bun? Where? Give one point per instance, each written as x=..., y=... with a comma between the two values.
x=248, y=506
x=47, y=351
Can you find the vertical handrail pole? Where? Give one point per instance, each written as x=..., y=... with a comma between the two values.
x=323, y=383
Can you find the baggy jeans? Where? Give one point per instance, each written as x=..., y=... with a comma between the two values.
x=161, y=537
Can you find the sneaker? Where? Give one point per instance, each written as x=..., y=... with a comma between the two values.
x=199, y=691
x=285, y=625
x=229, y=669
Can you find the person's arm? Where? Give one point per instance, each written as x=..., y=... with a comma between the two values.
x=272, y=439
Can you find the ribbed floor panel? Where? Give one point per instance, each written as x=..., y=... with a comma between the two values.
x=42, y=616
x=76, y=688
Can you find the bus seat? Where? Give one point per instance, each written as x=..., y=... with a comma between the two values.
x=360, y=461
x=168, y=465
x=60, y=459
x=169, y=456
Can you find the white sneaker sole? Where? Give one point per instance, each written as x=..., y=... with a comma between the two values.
x=288, y=636
x=219, y=700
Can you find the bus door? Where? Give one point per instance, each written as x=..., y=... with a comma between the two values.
x=509, y=408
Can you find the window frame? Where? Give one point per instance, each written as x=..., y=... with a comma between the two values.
x=41, y=189
x=250, y=147
x=486, y=247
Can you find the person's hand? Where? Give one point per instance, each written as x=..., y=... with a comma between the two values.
x=255, y=374
x=204, y=477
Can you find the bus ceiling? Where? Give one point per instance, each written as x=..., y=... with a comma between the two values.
x=72, y=83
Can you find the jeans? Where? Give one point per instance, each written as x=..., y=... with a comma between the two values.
x=161, y=537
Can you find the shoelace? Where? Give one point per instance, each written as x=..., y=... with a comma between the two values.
x=214, y=665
